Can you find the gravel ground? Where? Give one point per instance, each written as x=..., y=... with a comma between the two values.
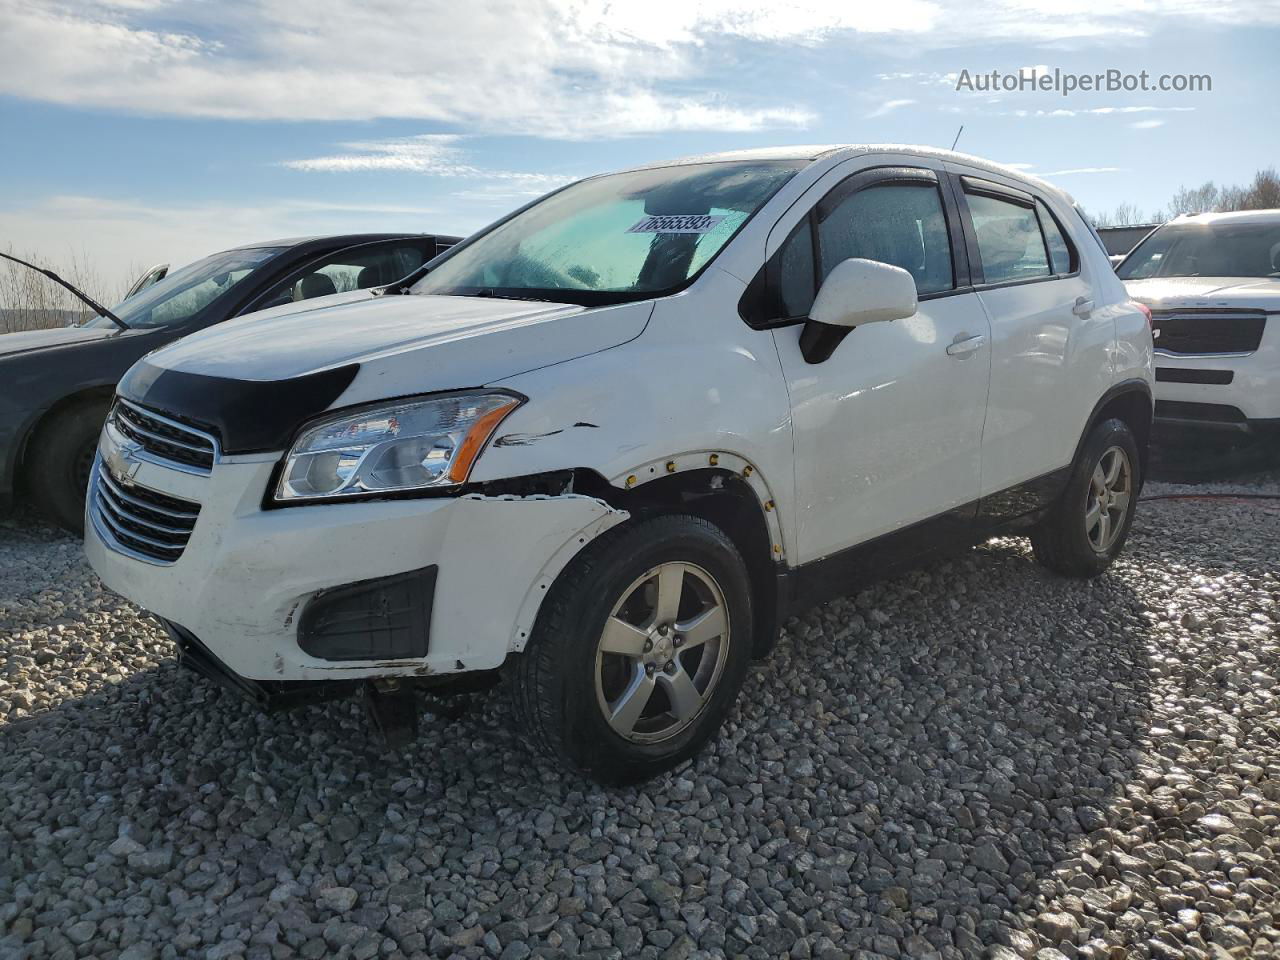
x=976, y=759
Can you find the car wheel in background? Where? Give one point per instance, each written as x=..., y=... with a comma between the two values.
x=1087, y=527
x=639, y=650
x=59, y=459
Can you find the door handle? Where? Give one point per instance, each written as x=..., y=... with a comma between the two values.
x=962, y=348
x=1082, y=307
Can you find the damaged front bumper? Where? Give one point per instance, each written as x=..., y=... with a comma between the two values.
x=252, y=588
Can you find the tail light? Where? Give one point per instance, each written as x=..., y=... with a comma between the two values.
x=1146, y=312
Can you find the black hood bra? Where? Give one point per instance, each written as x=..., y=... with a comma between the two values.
x=247, y=416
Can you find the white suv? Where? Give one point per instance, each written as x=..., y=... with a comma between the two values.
x=610, y=442
x=1212, y=282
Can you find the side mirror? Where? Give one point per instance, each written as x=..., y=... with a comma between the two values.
x=864, y=291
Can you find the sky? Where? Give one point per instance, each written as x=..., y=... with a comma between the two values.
x=141, y=131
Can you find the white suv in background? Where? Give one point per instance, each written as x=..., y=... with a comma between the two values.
x=610, y=442
x=1212, y=282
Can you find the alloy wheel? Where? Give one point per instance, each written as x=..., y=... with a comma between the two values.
x=1107, y=503
x=662, y=652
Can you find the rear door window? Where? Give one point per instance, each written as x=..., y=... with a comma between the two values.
x=1061, y=253
x=1009, y=239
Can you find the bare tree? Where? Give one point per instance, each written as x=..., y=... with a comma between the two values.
x=1263, y=193
x=1126, y=215
x=1201, y=199
x=30, y=301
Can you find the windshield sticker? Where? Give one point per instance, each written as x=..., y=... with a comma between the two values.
x=688, y=223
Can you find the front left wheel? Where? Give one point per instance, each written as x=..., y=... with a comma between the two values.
x=639, y=651
x=60, y=459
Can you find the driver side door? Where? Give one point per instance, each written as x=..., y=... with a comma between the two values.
x=887, y=417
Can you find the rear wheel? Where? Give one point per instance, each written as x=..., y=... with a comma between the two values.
x=59, y=460
x=639, y=651
x=1086, y=530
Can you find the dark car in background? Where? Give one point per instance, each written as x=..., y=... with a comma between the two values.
x=56, y=385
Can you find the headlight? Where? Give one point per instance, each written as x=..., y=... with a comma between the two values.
x=408, y=445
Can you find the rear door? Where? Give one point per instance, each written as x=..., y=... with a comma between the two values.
x=888, y=420
x=1049, y=346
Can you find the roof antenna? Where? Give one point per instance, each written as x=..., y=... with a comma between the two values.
x=957, y=139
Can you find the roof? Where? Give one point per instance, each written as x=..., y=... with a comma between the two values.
x=809, y=152
x=816, y=152
x=1236, y=216
x=1128, y=226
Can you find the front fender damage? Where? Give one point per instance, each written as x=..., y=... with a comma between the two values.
x=552, y=533
x=498, y=557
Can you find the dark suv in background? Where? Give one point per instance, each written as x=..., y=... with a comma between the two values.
x=58, y=383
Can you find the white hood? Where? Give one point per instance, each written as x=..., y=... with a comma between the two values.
x=428, y=342
x=1245, y=293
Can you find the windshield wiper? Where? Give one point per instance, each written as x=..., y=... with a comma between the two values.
x=493, y=292
x=93, y=304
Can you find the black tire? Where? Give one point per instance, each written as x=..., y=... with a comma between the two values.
x=554, y=683
x=1062, y=540
x=59, y=459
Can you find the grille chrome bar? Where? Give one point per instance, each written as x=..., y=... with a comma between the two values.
x=119, y=494
x=141, y=523
x=112, y=508
x=122, y=530
x=164, y=440
x=143, y=431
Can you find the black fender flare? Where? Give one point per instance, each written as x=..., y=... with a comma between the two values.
x=1129, y=386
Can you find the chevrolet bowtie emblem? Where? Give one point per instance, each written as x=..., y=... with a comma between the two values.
x=128, y=465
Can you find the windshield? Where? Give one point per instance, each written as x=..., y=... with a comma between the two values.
x=608, y=239
x=185, y=292
x=1206, y=250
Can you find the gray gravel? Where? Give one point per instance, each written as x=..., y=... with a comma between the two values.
x=976, y=759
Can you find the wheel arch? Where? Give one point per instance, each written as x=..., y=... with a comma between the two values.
x=40, y=422
x=1133, y=402
x=723, y=496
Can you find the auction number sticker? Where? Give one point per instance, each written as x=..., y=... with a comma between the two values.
x=686, y=223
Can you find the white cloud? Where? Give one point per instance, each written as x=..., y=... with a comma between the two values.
x=567, y=70
x=557, y=68
x=1146, y=124
x=668, y=22
x=888, y=107
x=430, y=153
x=1095, y=111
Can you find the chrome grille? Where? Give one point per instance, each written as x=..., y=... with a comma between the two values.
x=1199, y=332
x=164, y=439
x=141, y=522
